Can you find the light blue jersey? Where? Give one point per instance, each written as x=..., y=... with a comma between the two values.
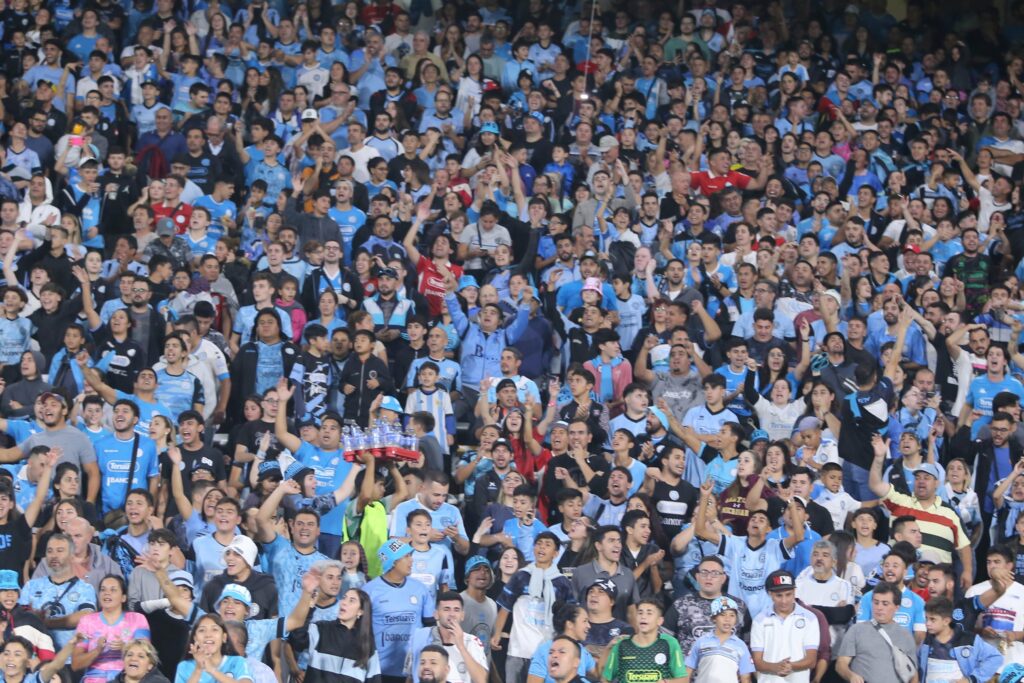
x=179, y=392
x=433, y=568
x=909, y=615
x=58, y=600
x=331, y=472
x=445, y=516
x=288, y=566
x=114, y=457
x=749, y=568
x=398, y=610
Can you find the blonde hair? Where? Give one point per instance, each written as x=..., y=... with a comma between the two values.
x=146, y=647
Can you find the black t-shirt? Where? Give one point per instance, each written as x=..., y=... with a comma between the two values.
x=551, y=486
x=15, y=544
x=168, y=634
x=865, y=414
x=260, y=586
x=125, y=362
x=675, y=505
x=204, y=457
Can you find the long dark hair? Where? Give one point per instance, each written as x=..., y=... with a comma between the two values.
x=226, y=648
x=364, y=643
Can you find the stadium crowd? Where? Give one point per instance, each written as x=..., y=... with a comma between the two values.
x=439, y=341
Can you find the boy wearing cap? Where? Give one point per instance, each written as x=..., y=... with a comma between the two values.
x=400, y=606
x=479, y=611
x=721, y=655
x=784, y=638
x=600, y=598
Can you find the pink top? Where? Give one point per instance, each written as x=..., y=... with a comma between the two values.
x=93, y=626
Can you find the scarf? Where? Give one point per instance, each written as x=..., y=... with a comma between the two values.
x=542, y=585
x=1013, y=510
x=607, y=384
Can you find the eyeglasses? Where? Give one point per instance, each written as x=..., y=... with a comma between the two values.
x=710, y=573
x=139, y=291
x=271, y=401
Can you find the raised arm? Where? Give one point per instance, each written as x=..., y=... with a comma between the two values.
x=881, y=449
x=177, y=485
x=265, y=532
x=284, y=437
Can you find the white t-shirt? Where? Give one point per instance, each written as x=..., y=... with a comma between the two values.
x=1005, y=614
x=778, y=639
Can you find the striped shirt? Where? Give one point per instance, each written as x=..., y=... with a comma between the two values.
x=330, y=645
x=439, y=404
x=941, y=529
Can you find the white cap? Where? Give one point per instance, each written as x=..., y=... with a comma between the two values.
x=310, y=115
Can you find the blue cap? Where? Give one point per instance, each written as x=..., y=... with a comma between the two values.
x=297, y=471
x=536, y=115
x=759, y=435
x=471, y=564
x=660, y=414
x=391, y=403
x=9, y=580
x=268, y=469
x=468, y=281
x=236, y=592
x=928, y=468
x=392, y=552
x=722, y=604
x=490, y=127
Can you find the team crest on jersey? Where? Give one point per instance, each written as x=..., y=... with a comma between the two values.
x=660, y=658
x=800, y=623
x=835, y=596
x=966, y=652
x=413, y=599
x=958, y=614
x=673, y=494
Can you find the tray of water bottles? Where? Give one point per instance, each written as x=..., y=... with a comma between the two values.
x=384, y=440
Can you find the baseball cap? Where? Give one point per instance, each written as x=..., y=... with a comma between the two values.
x=506, y=382
x=592, y=284
x=310, y=115
x=236, y=592
x=392, y=552
x=490, y=127
x=204, y=309
x=183, y=579
x=388, y=272
x=391, y=403
x=912, y=247
x=471, y=564
x=758, y=435
x=165, y=226
x=607, y=585
x=297, y=471
x=536, y=116
x=245, y=547
x=54, y=395
x=835, y=295
x=501, y=442
x=9, y=580
x=607, y=143
x=468, y=281
x=723, y=604
x=779, y=580
x=928, y=468
x=269, y=469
